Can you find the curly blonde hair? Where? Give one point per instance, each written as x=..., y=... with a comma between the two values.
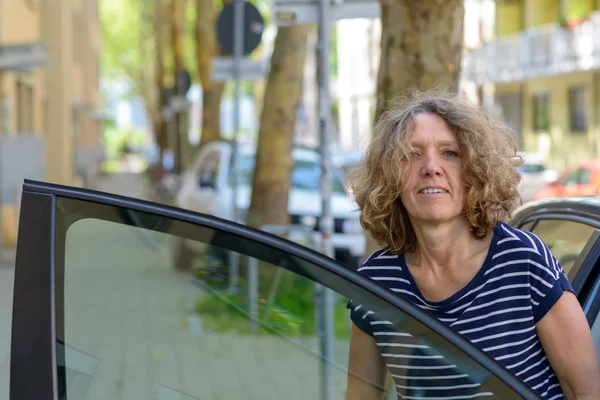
x=490, y=161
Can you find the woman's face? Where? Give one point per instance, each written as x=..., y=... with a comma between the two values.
x=436, y=191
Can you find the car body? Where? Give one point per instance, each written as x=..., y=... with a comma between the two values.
x=583, y=180
x=534, y=174
x=100, y=310
x=207, y=187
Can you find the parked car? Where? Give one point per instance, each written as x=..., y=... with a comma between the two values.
x=206, y=187
x=100, y=311
x=535, y=175
x=583, y=180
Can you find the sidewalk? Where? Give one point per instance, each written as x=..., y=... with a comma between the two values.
x=128, y=184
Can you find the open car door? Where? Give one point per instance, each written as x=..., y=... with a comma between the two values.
x=102, y=311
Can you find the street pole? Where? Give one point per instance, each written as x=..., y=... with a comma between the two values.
x=326, y=221
x=238, y=43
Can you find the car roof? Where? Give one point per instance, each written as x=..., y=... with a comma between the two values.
x=593, y=163
x=586, y=207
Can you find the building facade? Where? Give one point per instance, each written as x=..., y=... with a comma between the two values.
x=540, y=74
x=50, y=119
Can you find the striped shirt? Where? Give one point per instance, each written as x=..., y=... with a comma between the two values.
x=497, y=310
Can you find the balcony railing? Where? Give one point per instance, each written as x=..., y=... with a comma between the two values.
x=541, y=51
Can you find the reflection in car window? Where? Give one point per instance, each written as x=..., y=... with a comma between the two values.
x=131, y=324
x=566, y=239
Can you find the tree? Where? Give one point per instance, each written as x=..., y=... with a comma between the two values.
x=131, y=32
x=177, y=26
x=421, y=45
x=206, y=49
x=158, y=122
x=271, y=179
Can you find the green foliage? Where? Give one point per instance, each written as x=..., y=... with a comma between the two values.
x=122, y=37
x=115, y=140
x=292, y=310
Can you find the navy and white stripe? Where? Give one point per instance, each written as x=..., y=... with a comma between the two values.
x=517, y=285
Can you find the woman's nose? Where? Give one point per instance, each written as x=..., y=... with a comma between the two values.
x=431, y=165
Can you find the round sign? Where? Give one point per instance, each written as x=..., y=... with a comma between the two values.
x=252, y=28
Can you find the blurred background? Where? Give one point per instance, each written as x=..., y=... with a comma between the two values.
x=89, y=94
x=138, y=97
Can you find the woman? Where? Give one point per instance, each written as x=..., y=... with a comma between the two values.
x=435, y=189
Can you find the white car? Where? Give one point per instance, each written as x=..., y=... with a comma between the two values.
x=535, y=175
x=206, y=187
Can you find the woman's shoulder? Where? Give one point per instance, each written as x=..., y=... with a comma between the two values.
x=510, y=237
x=379, y=259
x=513, y=243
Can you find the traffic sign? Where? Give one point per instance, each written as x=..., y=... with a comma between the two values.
x=253, y=26
x=251, y=70
x=297, y=12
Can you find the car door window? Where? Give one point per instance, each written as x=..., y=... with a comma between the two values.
x=208, y=171
x=527, y=225
x=565, y=239
x=131, y=324
x=578, y=177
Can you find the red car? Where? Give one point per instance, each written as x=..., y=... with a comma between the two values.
x=584, y=180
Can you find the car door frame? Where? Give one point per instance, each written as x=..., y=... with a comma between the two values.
x=587, y=264
x=33, y=348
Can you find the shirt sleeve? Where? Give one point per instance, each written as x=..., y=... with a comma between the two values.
x=548, y=280
x=360, y=317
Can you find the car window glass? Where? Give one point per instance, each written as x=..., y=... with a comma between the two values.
x=565, y=239
x=306, y=175
x=527, y=225
x=132, y=324
x=572, y=179
x=581, y=176
x=585, y=177
x=531, y=168
x=209, y=170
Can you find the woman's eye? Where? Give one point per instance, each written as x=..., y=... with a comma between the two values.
x=450, y=153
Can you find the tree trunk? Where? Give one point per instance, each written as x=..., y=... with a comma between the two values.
x=206, y=49
x=271, y=180
x=160, y=126
x=178, y=45
x=421, y=45
x=421, y=48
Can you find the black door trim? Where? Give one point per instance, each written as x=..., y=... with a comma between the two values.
x=299, y=251
x=33, y=373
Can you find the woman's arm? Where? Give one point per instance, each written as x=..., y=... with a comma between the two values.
x=366, y=369
x=567, y=341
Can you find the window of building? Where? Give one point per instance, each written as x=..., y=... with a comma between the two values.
x=541, y=112
x=577, y=109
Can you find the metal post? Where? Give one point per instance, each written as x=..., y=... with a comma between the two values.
x=238, y=41
x=253, y=292
x=326, y=221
